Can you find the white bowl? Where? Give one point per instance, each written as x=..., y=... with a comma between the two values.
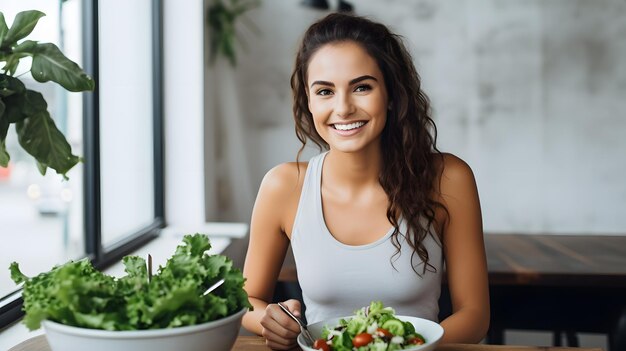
x=216, y=335
x=430, y=330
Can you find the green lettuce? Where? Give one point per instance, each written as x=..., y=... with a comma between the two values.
x=77, y=294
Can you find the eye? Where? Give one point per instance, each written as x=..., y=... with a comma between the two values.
x=324, y=92
x=362, y=88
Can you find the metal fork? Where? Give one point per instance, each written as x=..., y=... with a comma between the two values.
x=149, y=267
x=305, y=332
x=214, y=286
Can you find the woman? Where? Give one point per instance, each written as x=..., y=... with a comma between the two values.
x=374, y=216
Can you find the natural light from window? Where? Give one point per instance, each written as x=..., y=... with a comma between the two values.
x=42, y=216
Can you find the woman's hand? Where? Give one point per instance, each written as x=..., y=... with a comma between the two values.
x=279, y=330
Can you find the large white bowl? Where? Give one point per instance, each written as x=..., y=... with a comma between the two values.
x=219, y=335
x=430, y=330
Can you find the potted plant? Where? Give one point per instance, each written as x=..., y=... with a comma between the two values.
x=221, y=18
x=27, y=109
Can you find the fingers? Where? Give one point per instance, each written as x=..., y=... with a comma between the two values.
x=279, y=330
x=280, y=324
x=294, y=307
x=276, y=342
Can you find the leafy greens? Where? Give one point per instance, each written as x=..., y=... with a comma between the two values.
x=77, y=294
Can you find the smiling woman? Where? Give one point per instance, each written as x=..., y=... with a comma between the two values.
x=373, y=217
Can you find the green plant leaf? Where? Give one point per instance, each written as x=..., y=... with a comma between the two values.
x=16, y=275
x=22, y=105
x=34, y=103
x=49, y=63
x=221, y=19
x=22, y=26
x=27, y=46
x=10, y=85
x=4, y=155
x=13, y=108
x=3, y=29
x=12, y=61
x=4, y=128
x=40, y=137
x=42, y=168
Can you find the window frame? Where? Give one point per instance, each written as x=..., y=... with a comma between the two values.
x=101, y=256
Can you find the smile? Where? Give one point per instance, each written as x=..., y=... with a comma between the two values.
x=349, y=126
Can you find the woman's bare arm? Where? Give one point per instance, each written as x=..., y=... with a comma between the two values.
x=266, y=252
x=464, y=250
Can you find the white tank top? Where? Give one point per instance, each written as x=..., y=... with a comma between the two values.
x=336, y=279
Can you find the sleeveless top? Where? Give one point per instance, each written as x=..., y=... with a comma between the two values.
x=337, y=279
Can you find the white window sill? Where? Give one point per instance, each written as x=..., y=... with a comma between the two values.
x=161, y=248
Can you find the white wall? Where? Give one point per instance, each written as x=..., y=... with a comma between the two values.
x=529, y=93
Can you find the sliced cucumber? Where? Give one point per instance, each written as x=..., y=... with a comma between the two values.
x=394, y=326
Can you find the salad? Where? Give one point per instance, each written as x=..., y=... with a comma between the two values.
x=373, y=328
x=77, y=294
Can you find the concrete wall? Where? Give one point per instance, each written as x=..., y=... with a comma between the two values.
x=530, y=93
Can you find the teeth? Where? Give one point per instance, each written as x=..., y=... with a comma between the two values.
x=349, y=126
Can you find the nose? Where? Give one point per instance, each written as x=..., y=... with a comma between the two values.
x=344, y=106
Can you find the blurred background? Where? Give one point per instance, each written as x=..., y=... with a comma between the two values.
x=529, y=93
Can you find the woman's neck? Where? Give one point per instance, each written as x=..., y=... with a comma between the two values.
x=353, y=170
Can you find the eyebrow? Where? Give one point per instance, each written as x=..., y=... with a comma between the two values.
x=352, y=82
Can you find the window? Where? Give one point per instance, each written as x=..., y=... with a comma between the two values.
x=113, y=202
x=125, y=71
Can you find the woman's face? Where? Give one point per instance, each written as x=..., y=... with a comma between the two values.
x=347, y=97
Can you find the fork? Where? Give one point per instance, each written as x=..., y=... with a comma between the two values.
x=149, y=267
x=303, y=329
x=214, y=286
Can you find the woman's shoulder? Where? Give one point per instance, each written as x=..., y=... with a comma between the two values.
x=284, y=178
x=452, y=165
x=279, y=193
x=454, y=172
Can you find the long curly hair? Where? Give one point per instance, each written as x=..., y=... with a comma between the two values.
x=408, y=141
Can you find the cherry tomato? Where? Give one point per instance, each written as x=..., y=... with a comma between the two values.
x=320, y=344
x=362, y=339
x=384, y=332
x=418, y=340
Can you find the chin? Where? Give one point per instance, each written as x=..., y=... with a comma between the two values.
x=351, y=149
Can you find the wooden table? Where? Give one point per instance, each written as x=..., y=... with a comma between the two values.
x=559, y=283
x=255, y=343
x=557, y=260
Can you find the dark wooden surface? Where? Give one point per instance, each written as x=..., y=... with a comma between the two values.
x=556, y=260
x=255, y=343
x=566, y=284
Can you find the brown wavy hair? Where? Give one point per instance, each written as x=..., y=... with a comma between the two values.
x=408, y=141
